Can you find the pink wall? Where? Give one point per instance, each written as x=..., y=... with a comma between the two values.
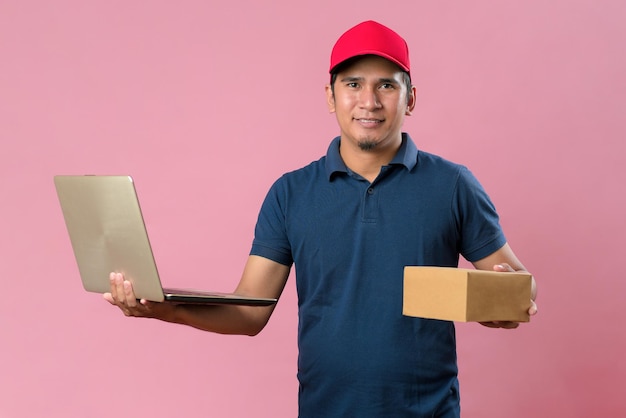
x=206, y=104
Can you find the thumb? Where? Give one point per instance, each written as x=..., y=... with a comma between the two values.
x=503, y=267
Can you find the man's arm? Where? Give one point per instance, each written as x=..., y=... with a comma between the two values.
x=261, y=278
x=505, y=260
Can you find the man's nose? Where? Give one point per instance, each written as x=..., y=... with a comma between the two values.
x=368, y=99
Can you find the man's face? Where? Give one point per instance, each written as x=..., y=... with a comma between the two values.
x=370, y=101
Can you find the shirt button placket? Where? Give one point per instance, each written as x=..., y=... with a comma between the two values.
x=370, y=204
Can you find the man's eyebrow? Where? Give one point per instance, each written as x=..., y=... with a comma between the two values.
x=388, y=81
x=350, y=79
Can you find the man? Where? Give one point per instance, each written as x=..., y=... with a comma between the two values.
x=350, y=222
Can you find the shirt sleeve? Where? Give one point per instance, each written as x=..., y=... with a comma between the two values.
x=477, y=220
x=270, y=236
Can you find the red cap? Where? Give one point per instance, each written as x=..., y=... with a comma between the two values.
x=371, y=38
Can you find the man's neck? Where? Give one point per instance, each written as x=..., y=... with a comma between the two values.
x=367, y=163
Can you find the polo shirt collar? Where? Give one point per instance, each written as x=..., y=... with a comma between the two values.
x=406, y=156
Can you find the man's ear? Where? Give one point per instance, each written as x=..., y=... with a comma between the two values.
x=411, y=101
x=330, y=98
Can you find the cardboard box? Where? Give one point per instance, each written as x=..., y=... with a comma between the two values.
x=466, y=295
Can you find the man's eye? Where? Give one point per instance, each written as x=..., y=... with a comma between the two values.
x=386, y=86
x=353, y=85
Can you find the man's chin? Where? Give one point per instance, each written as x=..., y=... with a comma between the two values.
x=367, y=145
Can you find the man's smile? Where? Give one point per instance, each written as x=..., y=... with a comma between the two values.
x=369, y=122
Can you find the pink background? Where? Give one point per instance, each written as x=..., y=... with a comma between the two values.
x=205, y=103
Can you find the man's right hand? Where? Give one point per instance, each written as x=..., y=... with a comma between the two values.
x=123, y=296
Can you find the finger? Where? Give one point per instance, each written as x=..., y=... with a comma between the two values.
x=113, y=287
x=501, y=324
x=533, y=308
x=146, y=307
x=129, y=295
x=119, y=288
x=504, y=267
x=109, y=298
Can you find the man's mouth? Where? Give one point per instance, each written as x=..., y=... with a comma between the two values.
x=368, y=122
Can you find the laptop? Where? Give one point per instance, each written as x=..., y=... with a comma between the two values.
x=108, y=234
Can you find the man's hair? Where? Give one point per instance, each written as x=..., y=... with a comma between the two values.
x=406, y=77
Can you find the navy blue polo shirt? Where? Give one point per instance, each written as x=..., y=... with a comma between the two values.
x=350, y=240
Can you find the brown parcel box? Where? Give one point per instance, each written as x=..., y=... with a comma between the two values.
x=466, y=295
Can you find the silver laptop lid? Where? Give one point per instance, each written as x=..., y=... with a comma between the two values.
x=107, y=232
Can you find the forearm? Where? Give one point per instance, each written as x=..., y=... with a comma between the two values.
x=262, y=278
x=221, y=319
